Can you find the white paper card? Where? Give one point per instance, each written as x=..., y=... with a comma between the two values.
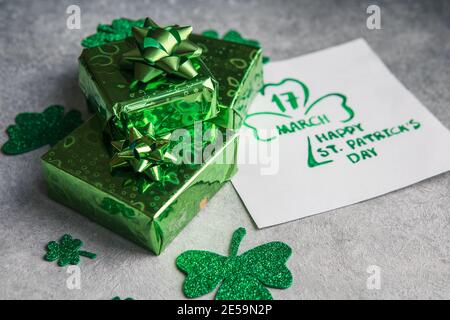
x=340, y=129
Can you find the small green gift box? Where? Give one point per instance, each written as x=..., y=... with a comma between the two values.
x=77, y=172
x=157, y=76
x=229, y=76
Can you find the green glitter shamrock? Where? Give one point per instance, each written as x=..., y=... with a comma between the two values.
x=234, y=36
x=118, y=298
x=67, y=251
x=34, y=130
x=118, y=30
x=242, y=277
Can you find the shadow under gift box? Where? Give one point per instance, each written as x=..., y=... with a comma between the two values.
x=236, y=68
x=78, y=175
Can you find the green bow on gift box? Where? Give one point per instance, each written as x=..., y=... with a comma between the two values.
x=153, y=157
x=162, y=50
x=143, y=152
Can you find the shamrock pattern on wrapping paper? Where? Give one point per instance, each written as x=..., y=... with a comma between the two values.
x=34, y=130
x=67, y=251
x=297, y=103
x=114, y=207
x=234, y=36
x=240, y=277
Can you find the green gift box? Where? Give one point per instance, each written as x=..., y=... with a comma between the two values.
x=157, y=76
x=78, y=175
x=235, y=68
x=143, y=93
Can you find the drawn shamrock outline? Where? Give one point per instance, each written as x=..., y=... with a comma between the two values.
x=312, y=162
x=114, y=207
x=242, y=277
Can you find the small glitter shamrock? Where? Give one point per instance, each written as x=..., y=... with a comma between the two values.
x=118, y=30
x=241, y=277
x=234, y=36
x=67, y=251
x=34, y=130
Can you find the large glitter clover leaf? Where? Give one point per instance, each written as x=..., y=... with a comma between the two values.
x=288, y=104
x=34, y=130
x=67, y=251
x=241, y=277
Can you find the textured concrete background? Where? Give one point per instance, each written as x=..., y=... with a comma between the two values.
x=406, y=233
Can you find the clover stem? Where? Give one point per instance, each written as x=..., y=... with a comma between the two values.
x=236, y=239
x=87, y=254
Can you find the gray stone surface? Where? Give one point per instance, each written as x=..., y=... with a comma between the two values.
x=406, y=232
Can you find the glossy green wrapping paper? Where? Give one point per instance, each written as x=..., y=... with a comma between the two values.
x=168, y=102
x=113, y=168
x=232, y=69
x=78, y=175
x=238, y=68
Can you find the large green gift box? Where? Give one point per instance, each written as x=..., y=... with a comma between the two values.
x=77, y=173
x=140, y=105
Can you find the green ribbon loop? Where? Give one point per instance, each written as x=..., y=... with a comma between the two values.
x=153, y=157
x=143, y=152
x=162, y=51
